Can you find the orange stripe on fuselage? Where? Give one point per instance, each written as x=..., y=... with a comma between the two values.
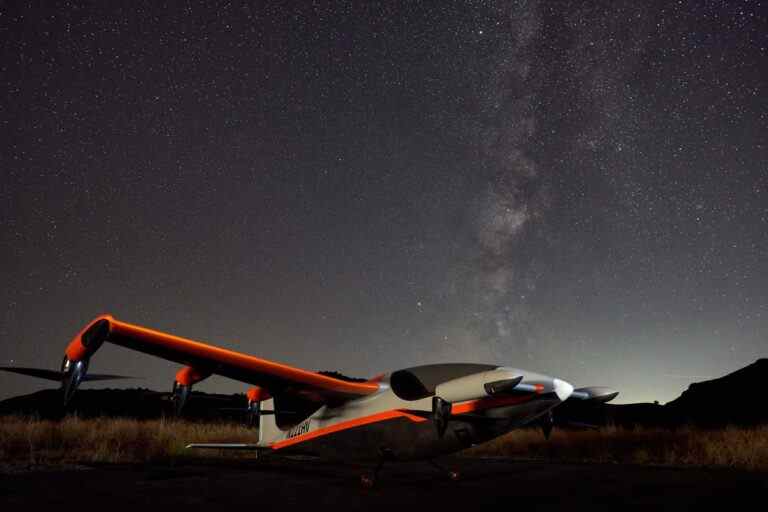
x=460, y=408
x=488, y=403
x=345, y=425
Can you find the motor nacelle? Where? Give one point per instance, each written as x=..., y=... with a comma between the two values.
x=255, y=396
x=479, y=385
x=182, y=386
x=78, y=354
x=475, y=386
x=72, y=374
x=595, y=394
x=88, y=341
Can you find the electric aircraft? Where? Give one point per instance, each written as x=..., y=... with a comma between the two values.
x=409, y=414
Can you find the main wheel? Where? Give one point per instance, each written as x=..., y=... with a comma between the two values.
x=367, y=482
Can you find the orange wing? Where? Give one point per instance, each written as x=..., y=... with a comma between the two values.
x=206, y=359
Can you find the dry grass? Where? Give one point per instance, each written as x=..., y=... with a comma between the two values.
x=103, y=440
x=74, y=440
x=745, y=448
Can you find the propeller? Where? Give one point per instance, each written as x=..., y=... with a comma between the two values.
x=70, y=376
x=252, y=413
x=547, y=422
x=75, y=370
x=254, y=410
x=441, y=413
x=179, y=396
x=72, y=373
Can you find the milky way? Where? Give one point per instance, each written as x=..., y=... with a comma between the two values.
x=579, y=190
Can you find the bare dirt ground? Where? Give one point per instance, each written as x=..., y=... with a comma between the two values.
x=316, y=485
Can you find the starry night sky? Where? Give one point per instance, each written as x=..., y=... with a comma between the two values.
x=576, y=189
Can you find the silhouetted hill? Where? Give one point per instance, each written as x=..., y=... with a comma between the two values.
x=132, y=403
x=734, y=399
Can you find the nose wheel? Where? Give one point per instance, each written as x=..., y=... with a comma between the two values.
x=367, y=481
x=451, y=474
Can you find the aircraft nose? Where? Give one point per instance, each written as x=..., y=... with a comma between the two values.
x=562, y=389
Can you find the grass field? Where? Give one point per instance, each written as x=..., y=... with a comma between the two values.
x=745, y=448
x=72, y=440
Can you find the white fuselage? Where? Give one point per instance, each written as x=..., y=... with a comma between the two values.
x=387, y=422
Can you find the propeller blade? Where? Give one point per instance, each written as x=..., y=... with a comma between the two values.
x=105, y=376
x=253, y=413
x=547, y=422
x=34, y=372
x=226, y=446
x=240, y=409
x=179, y=396
x=55, y=375
x=441, y=412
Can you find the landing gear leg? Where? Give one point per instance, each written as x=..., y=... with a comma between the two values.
x=450, y=473
x=368, y=481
